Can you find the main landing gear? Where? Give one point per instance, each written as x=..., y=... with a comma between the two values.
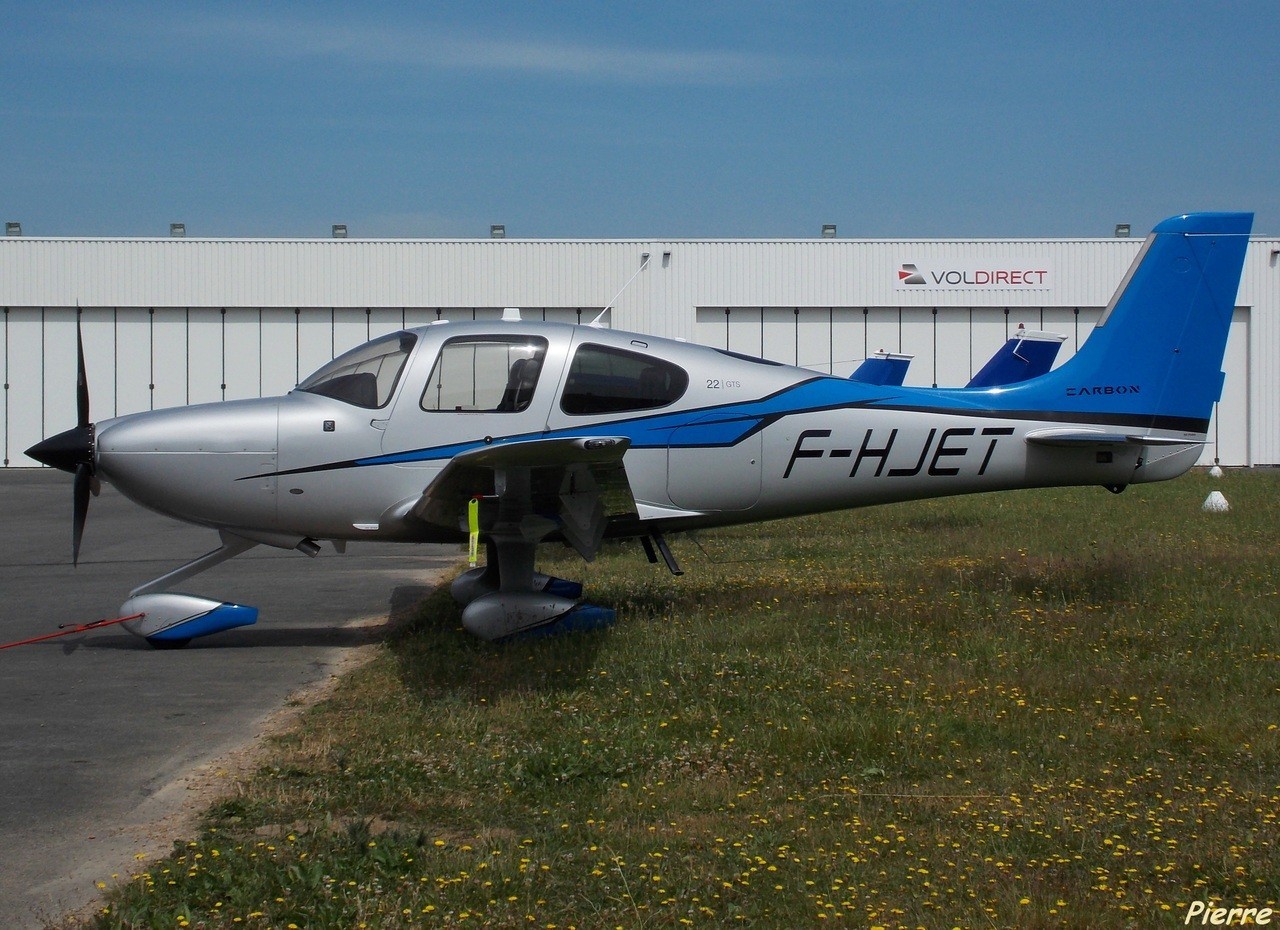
x=507, y=598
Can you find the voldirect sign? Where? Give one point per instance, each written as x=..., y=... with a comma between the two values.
x=974, y=276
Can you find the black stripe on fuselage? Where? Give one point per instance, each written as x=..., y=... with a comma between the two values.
x=765, y=420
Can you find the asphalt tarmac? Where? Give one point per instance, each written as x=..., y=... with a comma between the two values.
x=97, y=729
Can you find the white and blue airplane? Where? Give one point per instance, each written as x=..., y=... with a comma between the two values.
x=527, y=433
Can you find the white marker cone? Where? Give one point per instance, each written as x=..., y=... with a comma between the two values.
x=1215, y=503
x=1215, y=472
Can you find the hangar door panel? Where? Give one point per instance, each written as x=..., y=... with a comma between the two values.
x=779, y=334
x=1229, y=427
x=24, y=374
x=814, y=343
x=201, y=344
x=848, y=338
x=951, y=339
x=710, y=328
x=745, y=331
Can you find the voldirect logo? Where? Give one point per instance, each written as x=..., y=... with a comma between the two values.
x=910, y=274
x=971, y=276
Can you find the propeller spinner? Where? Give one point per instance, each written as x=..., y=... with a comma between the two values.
x=73, y=451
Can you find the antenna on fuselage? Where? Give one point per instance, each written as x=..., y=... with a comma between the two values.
x=644, y=261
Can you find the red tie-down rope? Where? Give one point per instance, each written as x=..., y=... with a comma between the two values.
x=66, y=629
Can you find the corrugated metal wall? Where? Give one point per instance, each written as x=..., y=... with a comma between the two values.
x=1260, y=291
x=175, y=321
x=677, y=276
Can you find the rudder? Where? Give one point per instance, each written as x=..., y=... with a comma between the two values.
x=1155, y=358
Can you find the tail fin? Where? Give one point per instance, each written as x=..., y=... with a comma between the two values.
x=1155, y=358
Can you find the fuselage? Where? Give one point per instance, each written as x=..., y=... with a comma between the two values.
x=715, y=438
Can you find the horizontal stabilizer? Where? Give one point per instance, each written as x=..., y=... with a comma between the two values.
x=1078, y=437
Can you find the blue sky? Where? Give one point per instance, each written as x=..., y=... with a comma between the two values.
x=657, y=119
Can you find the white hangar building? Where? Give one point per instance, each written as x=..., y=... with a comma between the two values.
x=182, y=321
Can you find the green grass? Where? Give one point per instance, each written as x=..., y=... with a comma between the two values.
x=1031, y=709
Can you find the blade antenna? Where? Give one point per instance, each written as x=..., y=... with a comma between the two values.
x=644, y=262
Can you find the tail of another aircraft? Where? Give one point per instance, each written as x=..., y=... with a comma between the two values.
x=1023, y=356
x=883, y=368
x=1155, y=359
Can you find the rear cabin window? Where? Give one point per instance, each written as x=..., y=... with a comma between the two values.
x=607, y=380
x=485, y=374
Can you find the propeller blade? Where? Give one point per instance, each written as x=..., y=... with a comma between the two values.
x=80, y=507
x=73, y=451
x=82, y=379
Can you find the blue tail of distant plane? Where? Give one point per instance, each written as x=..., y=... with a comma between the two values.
x=883, y=368
x=1155, y=358
x=1023, y=356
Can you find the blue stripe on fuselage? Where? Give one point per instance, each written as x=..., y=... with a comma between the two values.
x=725, y=425
x=729, y=424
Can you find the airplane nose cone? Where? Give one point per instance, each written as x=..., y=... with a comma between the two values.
x=206, y=464
x=67, y=450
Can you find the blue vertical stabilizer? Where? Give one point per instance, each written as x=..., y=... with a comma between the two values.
x=1155, y=358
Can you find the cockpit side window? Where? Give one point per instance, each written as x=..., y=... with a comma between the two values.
x=485, y=374
x=367, y=375
x=607, y=380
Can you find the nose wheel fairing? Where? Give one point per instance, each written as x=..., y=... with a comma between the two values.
x=170, y=618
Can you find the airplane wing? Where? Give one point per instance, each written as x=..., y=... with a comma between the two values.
x=570, y=485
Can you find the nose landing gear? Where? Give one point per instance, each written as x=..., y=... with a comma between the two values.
x=170, y=619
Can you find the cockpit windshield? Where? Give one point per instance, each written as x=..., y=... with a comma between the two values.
x=367, y=375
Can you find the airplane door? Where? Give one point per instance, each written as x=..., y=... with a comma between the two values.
x=706, y=477
x=327, y=425
x=476, y=385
